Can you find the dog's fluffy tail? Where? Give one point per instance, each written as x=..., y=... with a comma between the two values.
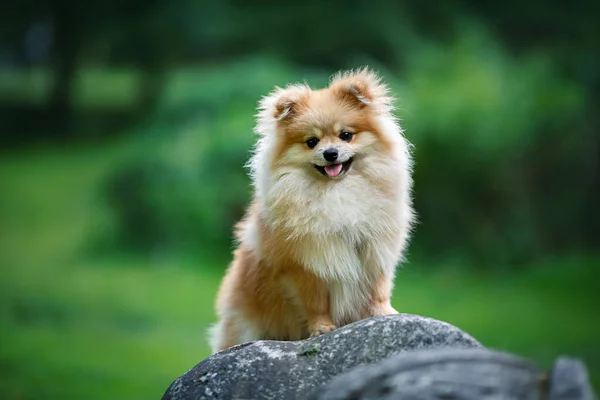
x=215, y=334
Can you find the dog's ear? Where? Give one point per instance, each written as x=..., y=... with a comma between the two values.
x=285, y=104
x=281, y=104
x=363, y=88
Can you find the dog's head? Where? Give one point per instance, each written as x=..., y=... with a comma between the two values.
x=328, y=130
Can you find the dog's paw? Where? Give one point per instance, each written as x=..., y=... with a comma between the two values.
x=382, y=310
x=321, y=329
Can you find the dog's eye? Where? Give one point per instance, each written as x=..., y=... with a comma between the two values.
x=346, y=136
x=312, y=142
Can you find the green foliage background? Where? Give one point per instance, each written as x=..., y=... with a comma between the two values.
x=124, y=128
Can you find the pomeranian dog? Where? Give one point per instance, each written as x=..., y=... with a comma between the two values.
x=330, y=218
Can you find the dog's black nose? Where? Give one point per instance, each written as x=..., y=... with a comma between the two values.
x=330, y=154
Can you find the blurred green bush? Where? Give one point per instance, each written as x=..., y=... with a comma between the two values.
x=498, y=142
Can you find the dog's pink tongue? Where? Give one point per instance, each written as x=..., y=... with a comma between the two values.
x=333, y=170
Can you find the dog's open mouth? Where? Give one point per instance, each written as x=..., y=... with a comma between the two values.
x=334, y=170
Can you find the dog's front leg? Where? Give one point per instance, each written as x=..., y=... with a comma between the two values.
x=380, y=262
x=380, y=296
x=313, y=294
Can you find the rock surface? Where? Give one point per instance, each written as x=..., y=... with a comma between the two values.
x=459, y=374
x=439, y=374
x=568, y=380
x=293, y=370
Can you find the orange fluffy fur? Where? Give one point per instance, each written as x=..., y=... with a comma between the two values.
x=317, y=249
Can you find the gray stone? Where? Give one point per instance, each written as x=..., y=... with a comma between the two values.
x=459, y=374
x=569, y=380
x=292, y=370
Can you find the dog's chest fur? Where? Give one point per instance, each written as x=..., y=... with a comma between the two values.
x=337, y=259
x=341, y=231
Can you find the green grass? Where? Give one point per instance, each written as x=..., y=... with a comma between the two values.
x=90, y=331
x=77, y=326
